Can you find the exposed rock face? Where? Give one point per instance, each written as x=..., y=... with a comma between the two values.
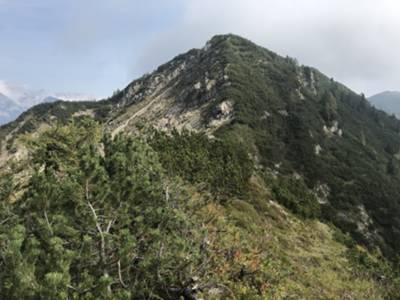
x=283, y=112
x=197, y=86
x=322, y=192
x=163, y=99
x=306, y=78
x=317, y=149
x=225, y=108
x=223, y=113
x=365, y=219
x=333, y=130
x=266, y=115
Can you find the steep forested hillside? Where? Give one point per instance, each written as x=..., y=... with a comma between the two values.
x=228, y=173
x=103, y=218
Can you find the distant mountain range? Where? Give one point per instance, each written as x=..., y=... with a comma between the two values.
x=388, y=101
x=15, y=99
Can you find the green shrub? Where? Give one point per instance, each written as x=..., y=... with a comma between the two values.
x=294, y=194
x=224, y=166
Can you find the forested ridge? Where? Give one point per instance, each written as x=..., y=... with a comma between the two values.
x=228, y=173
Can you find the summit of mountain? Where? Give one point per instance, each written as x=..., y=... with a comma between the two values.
x=294, y=122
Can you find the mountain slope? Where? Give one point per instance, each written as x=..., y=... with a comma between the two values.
x=387, y=101
x=311, y=144
x=103, y=218
x=292, y=119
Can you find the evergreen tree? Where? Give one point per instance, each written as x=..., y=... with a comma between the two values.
x=329, y=107
x=97, y=224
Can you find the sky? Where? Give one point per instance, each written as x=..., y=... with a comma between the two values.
x=98, y=46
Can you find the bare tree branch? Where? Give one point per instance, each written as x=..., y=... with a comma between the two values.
x=47, y=221
x=102, y=238
x=109, y=225
x=120, y=274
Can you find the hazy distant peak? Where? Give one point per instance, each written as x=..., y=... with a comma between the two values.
x=387, y=93
x=28, y=97
x=15, y=99
x=389, y=101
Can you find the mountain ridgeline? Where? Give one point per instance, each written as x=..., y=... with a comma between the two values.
x=388, y=101
x=217, y=145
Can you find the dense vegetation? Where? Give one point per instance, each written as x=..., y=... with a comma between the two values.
x=284, y=112
x=96, y=222
x=85, y=214
x=223, y=166
x=295, y=195
x=101, y=218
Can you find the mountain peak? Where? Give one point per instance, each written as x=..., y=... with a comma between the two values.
x=389, y=101
x=228, y=37
x=393, y=92
x=309, y=143
x=291, y=118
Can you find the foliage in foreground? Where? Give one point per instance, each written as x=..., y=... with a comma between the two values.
x=96, y=222
x=99, y=219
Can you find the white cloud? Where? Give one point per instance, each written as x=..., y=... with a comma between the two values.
x=3, y=86
x=99, y=45
x=356, y=42
x=27, y=97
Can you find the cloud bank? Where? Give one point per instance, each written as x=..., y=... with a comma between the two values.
x=356, y=42
x=101, y=45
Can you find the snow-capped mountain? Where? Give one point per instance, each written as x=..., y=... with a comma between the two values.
x=15, y=99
